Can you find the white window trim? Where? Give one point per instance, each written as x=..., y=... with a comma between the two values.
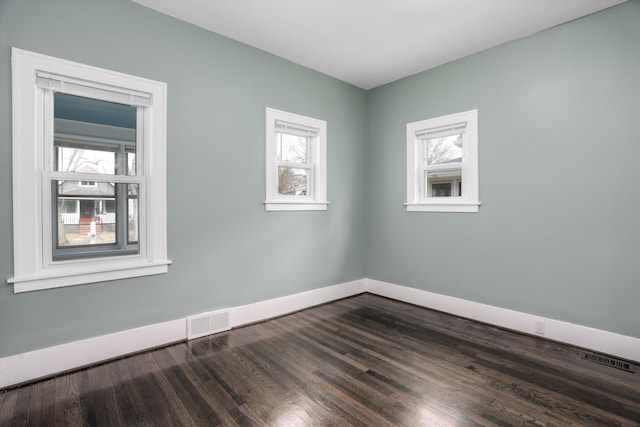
x=317, y=199
x=33, y=266
x=469, y=201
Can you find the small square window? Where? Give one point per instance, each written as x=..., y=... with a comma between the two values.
x=442, y=164
x=296, y=162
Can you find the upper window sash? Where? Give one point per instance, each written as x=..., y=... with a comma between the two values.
x=303, y=156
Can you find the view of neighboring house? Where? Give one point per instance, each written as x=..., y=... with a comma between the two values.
x=82, y=202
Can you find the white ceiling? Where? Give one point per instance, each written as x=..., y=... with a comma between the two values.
x=372, y=42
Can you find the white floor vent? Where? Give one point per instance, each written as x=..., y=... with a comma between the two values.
x=203, y=324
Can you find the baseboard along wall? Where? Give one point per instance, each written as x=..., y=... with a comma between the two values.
x=622, y=346
x=33, y=365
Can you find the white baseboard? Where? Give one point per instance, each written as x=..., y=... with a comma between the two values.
x=49, y=361
x=60, y=358
x=610, y=343
x=263, y=310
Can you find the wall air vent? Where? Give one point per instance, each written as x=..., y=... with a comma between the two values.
x=203, y=324
x=609, y=361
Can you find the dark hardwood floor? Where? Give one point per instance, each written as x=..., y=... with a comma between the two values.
x=362, y=361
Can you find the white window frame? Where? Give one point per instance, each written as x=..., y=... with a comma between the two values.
x=32, y=133
x=420, y=201
x=316, y=197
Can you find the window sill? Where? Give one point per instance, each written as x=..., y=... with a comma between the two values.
x=287, y=205
x=464, y=207
x=78, y=275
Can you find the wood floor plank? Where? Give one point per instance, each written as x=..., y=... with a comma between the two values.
x=194, y=397
x=416, y=367
x=68, y=408
x=93, y=400
x=8, y=403
x=21, y=407
x=361, y=361
x=297, y=374
x=104, y=376
x=133, y=402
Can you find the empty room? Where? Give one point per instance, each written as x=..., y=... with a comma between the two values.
x=319, y=212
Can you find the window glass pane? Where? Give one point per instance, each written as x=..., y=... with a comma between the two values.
x=84, y=158
x=131, y=161
x=132, y=214
x=292, y=181
x=292, y=148
x=83, y=218
x=80, y=189
x=443, y=150
x=94, y=136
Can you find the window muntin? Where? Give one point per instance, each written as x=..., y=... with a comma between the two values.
x=442, y=164
x=296, y=162
x=44, y=85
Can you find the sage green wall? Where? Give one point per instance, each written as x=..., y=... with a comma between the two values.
x=226, y=250
x=558, y=232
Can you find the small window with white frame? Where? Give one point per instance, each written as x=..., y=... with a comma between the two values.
x=296, y=162
x=84, y=142
x=442, y=164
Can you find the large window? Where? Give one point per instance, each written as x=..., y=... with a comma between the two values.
x=296, y=162
x=88, y=168
x=94, y=137
x=442, y=164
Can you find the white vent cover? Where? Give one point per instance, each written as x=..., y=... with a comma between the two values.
x=203, y=324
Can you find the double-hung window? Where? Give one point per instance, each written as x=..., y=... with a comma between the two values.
x=95, y=143
x=296, y=162
x=89, y=174
x=442, y=164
